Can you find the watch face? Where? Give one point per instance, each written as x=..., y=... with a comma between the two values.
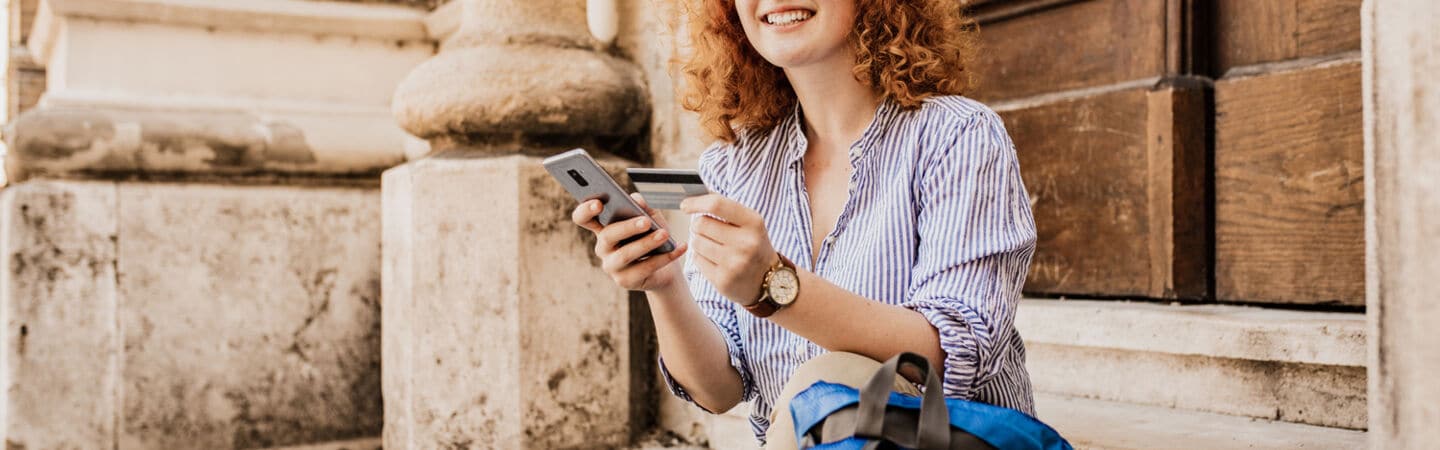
x=784, y=286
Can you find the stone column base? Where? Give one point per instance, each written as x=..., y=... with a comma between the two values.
x=500, y=330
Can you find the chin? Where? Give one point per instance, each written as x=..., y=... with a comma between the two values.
x=790, y=57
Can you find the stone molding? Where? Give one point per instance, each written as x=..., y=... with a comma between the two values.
x=61, y=141
x=217, y=88
x=444, y=21
x=331, y=18
x=499, y=90
x=510, y=68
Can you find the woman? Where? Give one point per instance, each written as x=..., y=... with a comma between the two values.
x=860, y=208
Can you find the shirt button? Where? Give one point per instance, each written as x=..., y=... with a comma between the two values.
x=802, y=348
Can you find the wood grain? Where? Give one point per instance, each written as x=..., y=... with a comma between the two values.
x=1101, y=173
x=1289, y=187
x=1074, y=45
x=1259, y=31
x=1177, y=156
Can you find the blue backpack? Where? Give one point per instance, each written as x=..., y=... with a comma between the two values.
x=833, y=417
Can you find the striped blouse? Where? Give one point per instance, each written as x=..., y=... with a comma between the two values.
x=937, y=221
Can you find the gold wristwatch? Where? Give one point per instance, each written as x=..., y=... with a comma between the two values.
x=780, y=289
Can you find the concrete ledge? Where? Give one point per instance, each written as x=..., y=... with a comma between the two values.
x=333, y=18
x=93, y=141
x=1294, y=366
x=1097, y=424
x=1211, y=330
x=352, y=444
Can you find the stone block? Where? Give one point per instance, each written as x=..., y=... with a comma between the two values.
x=1293, y=366
x=396, y=336
x=1402, y=125
x=57, y=277
x=1098, y=424
x=501, y=331
x=250, y=315
x=1332, y=396
x=731, y=430
x=1225, y=331
x=226, y=88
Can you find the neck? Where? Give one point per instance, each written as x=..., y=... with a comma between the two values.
x=837, y=109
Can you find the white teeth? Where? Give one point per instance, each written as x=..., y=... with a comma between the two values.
x=788, y=17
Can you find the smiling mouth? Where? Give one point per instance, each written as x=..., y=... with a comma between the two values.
x=789, y=17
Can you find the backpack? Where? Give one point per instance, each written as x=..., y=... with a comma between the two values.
x=831, y=416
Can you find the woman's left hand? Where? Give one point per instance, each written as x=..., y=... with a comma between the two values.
x=733, y=253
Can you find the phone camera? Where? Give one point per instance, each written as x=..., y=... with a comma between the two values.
x=578, y=179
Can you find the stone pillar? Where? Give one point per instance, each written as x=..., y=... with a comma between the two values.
x=499, y=329
x=1402, y=160
x=190, y=244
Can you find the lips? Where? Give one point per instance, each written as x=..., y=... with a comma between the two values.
x=788, y=16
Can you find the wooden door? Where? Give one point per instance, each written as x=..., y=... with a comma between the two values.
x=1185, y=149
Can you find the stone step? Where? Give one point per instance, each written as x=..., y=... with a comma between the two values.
x=1294, y=366
x=370, y=443
x=1099, y=424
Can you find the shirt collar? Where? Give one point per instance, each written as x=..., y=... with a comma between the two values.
x=793, y=129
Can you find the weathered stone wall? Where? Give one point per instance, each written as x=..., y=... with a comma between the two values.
x=1402, y=113
x=57, y=277
x=159, y=315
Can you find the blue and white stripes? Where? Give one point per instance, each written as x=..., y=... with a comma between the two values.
x=937, y=221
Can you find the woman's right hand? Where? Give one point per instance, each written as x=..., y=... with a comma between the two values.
x=654, y=273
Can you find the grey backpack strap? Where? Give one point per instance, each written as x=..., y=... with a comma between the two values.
x=933, y=432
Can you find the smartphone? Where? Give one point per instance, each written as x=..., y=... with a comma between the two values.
x=585, y=180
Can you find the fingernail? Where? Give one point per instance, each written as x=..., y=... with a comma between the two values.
x=640, y=223
x=594, y=206
x=659, y=235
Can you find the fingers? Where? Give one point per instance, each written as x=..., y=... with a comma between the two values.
x=726, y=209
x=707, y=249
x=709, y=228
x=585, y=215
x=638, y=273
x=736, y=239
x=624, y=256
x=610, y=236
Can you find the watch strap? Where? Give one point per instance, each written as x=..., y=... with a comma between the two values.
x=763, y=308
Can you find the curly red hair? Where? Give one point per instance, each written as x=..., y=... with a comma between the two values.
x=906, y=50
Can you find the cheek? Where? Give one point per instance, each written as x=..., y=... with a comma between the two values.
x=748, y=24
x=750, y=27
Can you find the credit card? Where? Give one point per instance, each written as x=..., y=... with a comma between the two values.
x=665, y=188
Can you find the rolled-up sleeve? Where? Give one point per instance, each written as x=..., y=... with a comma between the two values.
x=976, y=237
x=719, y=310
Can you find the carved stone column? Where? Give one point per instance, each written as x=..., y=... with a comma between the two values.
x=499, y=330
